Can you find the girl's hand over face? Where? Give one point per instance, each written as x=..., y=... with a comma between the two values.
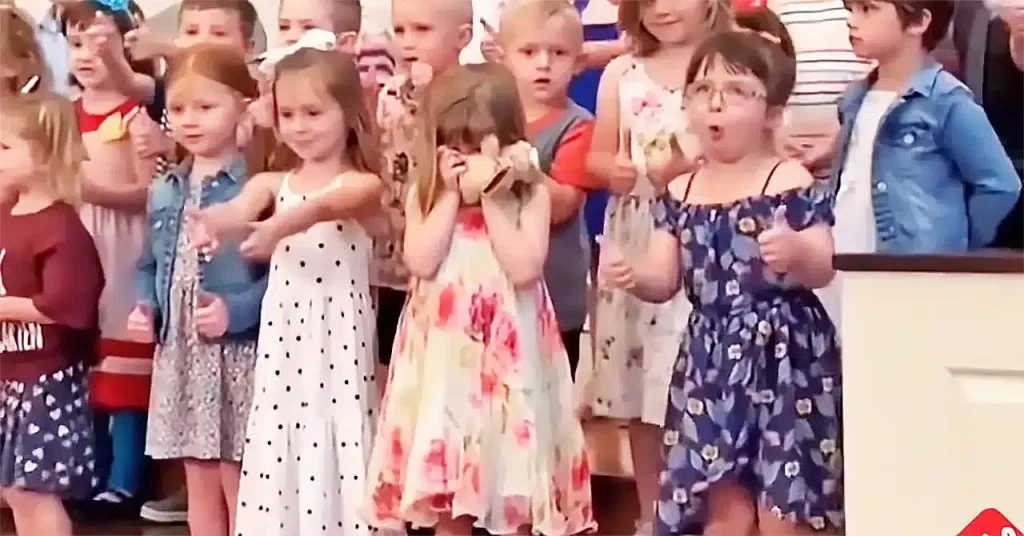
x=614, y=270
x=451, y=165
x=140, y=323
x=211, y=315
x=780, y=243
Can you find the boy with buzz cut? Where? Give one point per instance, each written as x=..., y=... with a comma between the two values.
x=343, y=18
x=919, y=168
x=429, y=36
x=543, y=42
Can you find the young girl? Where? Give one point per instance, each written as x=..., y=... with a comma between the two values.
x=202, y=309
x=315, y=400
x=641, y=141
x=753, y=427
x=50, y=283
x=22, y=67
x=114, y=186
x=478, y=424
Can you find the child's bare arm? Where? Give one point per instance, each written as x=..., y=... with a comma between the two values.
x=234, y=216
x=356, y=196
x=521, y=247
x=428, y=236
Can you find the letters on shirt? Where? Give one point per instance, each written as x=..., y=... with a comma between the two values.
x=17, y=336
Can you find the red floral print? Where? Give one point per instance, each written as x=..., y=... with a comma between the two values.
x=446, y=306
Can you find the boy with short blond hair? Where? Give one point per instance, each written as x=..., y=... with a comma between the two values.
x=429, y=36
x=343, y=18
x=542, y=42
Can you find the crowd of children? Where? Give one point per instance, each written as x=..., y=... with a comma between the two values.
x=208, y=255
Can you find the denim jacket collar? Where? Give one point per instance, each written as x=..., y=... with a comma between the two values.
x=921, y=84
x=234, y=171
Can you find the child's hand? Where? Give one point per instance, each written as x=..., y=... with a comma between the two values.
x=144, y=44
x=780, y=244
x=201, y=227
x=211, y=315
x=100, y=36
x=261, y=243
x=814, y=153
x=451, y=165
x=622, y=178
x=147, y=138
x=675, y=165
x=140, y=323
x=614, y=269
x=489, y=47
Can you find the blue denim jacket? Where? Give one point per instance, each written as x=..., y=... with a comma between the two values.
x=238, y=282
x=941, y=179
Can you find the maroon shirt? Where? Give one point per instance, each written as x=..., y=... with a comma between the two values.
x=49, y=257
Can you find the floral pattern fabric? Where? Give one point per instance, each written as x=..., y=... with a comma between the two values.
x=478, y=418
x=758, y=398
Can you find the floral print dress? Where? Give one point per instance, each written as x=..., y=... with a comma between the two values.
x=637, y=342
x=478, y=418
x=757, y=400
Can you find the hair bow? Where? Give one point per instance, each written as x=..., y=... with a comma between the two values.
x=117, y=6
x=30, y=85
x=315, y=39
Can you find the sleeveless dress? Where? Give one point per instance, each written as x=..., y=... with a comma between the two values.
x=637, y=342
x=757, y=400
x=478, y=417
x=314, y=399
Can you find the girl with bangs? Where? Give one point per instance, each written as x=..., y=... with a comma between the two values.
x=315, y=400
x=478, y=426
x=753, y=427
x=201, y=307
x=22, y=66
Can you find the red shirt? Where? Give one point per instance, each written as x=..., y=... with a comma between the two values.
x=569, y=165
x=49, y=257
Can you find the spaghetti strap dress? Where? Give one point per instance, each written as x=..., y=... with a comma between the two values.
x=757, y=401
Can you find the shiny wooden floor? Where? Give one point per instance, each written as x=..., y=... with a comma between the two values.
x=614, y=498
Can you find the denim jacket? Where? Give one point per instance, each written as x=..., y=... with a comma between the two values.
x=239, y=283
x=941, y=181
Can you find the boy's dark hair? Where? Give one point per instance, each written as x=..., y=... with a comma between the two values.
x=743, y=51
x=764, y=21
x=910, y=12
x=346, y=16
x=244, y=8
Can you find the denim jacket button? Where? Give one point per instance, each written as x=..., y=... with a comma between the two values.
x=158, y=225
x=882, y=187
x=908, y=139
x=214, y=184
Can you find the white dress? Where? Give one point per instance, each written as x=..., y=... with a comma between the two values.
x=314, y=399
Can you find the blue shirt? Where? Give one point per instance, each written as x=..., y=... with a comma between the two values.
x=941, y=181
x=54, y=46
x=239, y=283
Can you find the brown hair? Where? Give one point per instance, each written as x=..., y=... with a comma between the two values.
x=631, y=20
x=765, y=22
x=346, y=16
x=226, y=66
x=533, y=14
x=244, y=8
x=338, y=75
x=463, y=106
x=746, y=52
x=49, y=123
x=83, y=14
x=911, y=12
x=20, y=56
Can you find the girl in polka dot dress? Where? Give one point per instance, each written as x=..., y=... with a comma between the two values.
x=314, y=400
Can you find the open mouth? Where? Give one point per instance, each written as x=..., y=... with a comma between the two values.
x=542, y=81
x=412, y=59
x=717, y=132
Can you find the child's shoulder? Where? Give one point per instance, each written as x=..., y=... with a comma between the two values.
x=787, y=176
x=618, y=67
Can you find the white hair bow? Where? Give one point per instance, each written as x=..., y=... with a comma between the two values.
x=316, y=38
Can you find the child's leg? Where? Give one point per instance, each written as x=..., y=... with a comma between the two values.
x=128, y=433
x=462, y=526
x=104, y=448
x=730, y=511
x=37, y=514
x=230, y=474
x=645, y=451
x=207, y=511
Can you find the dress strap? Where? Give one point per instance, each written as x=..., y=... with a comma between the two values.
x=764, y=189
x=693, y=178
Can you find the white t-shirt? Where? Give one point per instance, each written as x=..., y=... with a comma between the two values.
x=854, y=231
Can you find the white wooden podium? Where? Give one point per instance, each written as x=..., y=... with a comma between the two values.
x=933, y=372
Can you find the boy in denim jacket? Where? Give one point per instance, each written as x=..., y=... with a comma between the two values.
x=919, y=168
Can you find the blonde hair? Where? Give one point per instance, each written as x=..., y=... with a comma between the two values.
x=49, y=123
x=21, y=59
x=338, y=76
x=463, y=106
x=631, y=20
x=531, y=15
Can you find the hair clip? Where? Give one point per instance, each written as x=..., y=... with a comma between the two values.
x=117, y=6
x=30, y=85
x=316, y=39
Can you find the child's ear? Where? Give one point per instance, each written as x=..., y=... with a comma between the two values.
x=347, y=42
x=465, y=35
x=920, y=26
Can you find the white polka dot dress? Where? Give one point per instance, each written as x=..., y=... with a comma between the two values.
x=314, y=401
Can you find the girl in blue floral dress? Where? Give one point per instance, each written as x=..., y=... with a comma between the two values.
x=753, y=426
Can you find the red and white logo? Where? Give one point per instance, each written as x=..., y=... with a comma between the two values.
x=991, y=522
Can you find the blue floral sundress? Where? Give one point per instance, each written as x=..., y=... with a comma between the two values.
x=757, y=398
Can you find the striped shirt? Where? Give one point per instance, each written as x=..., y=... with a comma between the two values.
x=826, y=64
